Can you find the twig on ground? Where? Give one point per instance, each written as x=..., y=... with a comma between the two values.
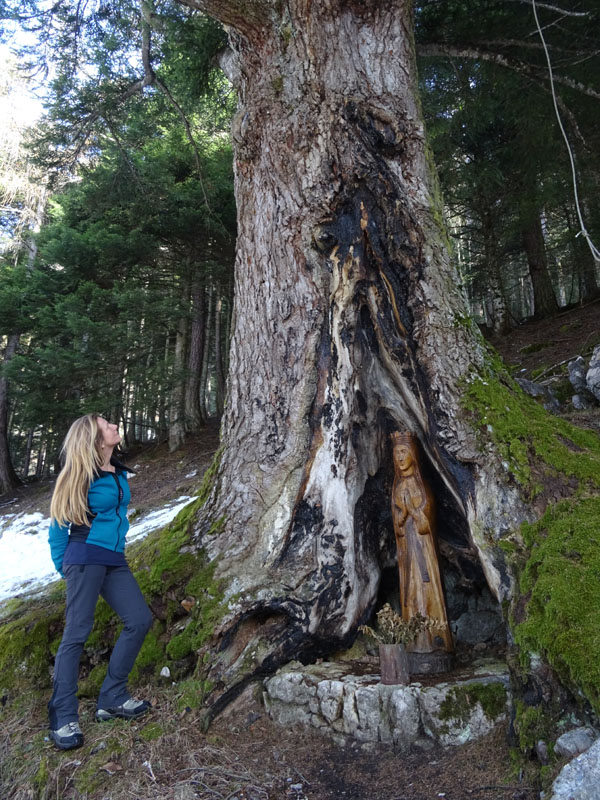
x=297, y=771
x=205, y=786
x=500, y=788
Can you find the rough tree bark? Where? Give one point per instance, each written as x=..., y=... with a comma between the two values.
x=495, y=294
x=348, y=323
x=8, y=477
x=193, y=417
x=544, y=298
x=176, y=405
x=204, y=375
x=219, y=371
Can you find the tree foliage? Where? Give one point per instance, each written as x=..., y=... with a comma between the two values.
x=138, y=240
x=145, y=218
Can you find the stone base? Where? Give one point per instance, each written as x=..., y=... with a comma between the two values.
x=347, y=705
x=430, y=663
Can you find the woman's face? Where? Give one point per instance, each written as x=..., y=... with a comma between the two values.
x=403, y=457
x=109, y=432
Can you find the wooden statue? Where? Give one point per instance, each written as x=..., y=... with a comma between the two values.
x=414, y=526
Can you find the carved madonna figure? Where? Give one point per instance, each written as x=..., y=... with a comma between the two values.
x=414, y=526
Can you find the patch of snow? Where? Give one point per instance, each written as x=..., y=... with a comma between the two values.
x=157, y=519
x=25, y=563
x=192, y=474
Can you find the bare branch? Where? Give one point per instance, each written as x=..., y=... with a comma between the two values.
x=121, y=148
x=558, y=10
x=526, y=45
x=474, y=54
x=190, y=136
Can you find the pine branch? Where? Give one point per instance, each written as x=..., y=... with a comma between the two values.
x=475, y=54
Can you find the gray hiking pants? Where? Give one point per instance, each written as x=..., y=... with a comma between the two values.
x=85, y=583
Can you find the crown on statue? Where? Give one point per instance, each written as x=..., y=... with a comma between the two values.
x=402, y=437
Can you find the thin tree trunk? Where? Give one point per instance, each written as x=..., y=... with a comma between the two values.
x=219, y=372
x=193, y=416
x=495, y=300
x=163, y=392
x=8, y=477
x=176, y=409
x=584, y=267
x=27, y=456
x=204, y=378
x=39, y=469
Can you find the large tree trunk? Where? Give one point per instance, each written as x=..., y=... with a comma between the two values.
x=348, y=324
x=544, y=298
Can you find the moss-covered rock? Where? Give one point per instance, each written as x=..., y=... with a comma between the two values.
x=25, y=644
x=531, y=441
x=460, y=701
x=561, y=585
x=556, y=606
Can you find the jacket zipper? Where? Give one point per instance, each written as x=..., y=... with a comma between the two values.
x=120, y=490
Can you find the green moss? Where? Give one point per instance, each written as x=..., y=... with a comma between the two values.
x=40, y=780
x=535, y=347
x=152, y=654
x=460, y=701
x=538, y=371
x=217, y=526
x=90, y=685
x=89, y=777
x=436, y=206
x=151, y=732
x=103, y=617
x=208, y=609
x=25, y=646
x=286, y=35
x=191, y=693
x=525, y=434
x=277, y=84
x=159, y=561
x=562, y=582
x=508, y=547
x=538, y=723
x=10, y=607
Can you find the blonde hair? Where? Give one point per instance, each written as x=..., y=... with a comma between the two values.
x=81, y=452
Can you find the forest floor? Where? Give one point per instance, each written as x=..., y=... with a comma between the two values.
x=244, y=756
x=540, y=351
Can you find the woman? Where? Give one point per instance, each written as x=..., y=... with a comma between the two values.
x=87, y=540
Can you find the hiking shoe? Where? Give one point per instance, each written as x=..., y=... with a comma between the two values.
x=129, y=710
x=68, y=737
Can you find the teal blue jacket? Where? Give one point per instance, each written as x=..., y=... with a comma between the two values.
x=108, y=498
